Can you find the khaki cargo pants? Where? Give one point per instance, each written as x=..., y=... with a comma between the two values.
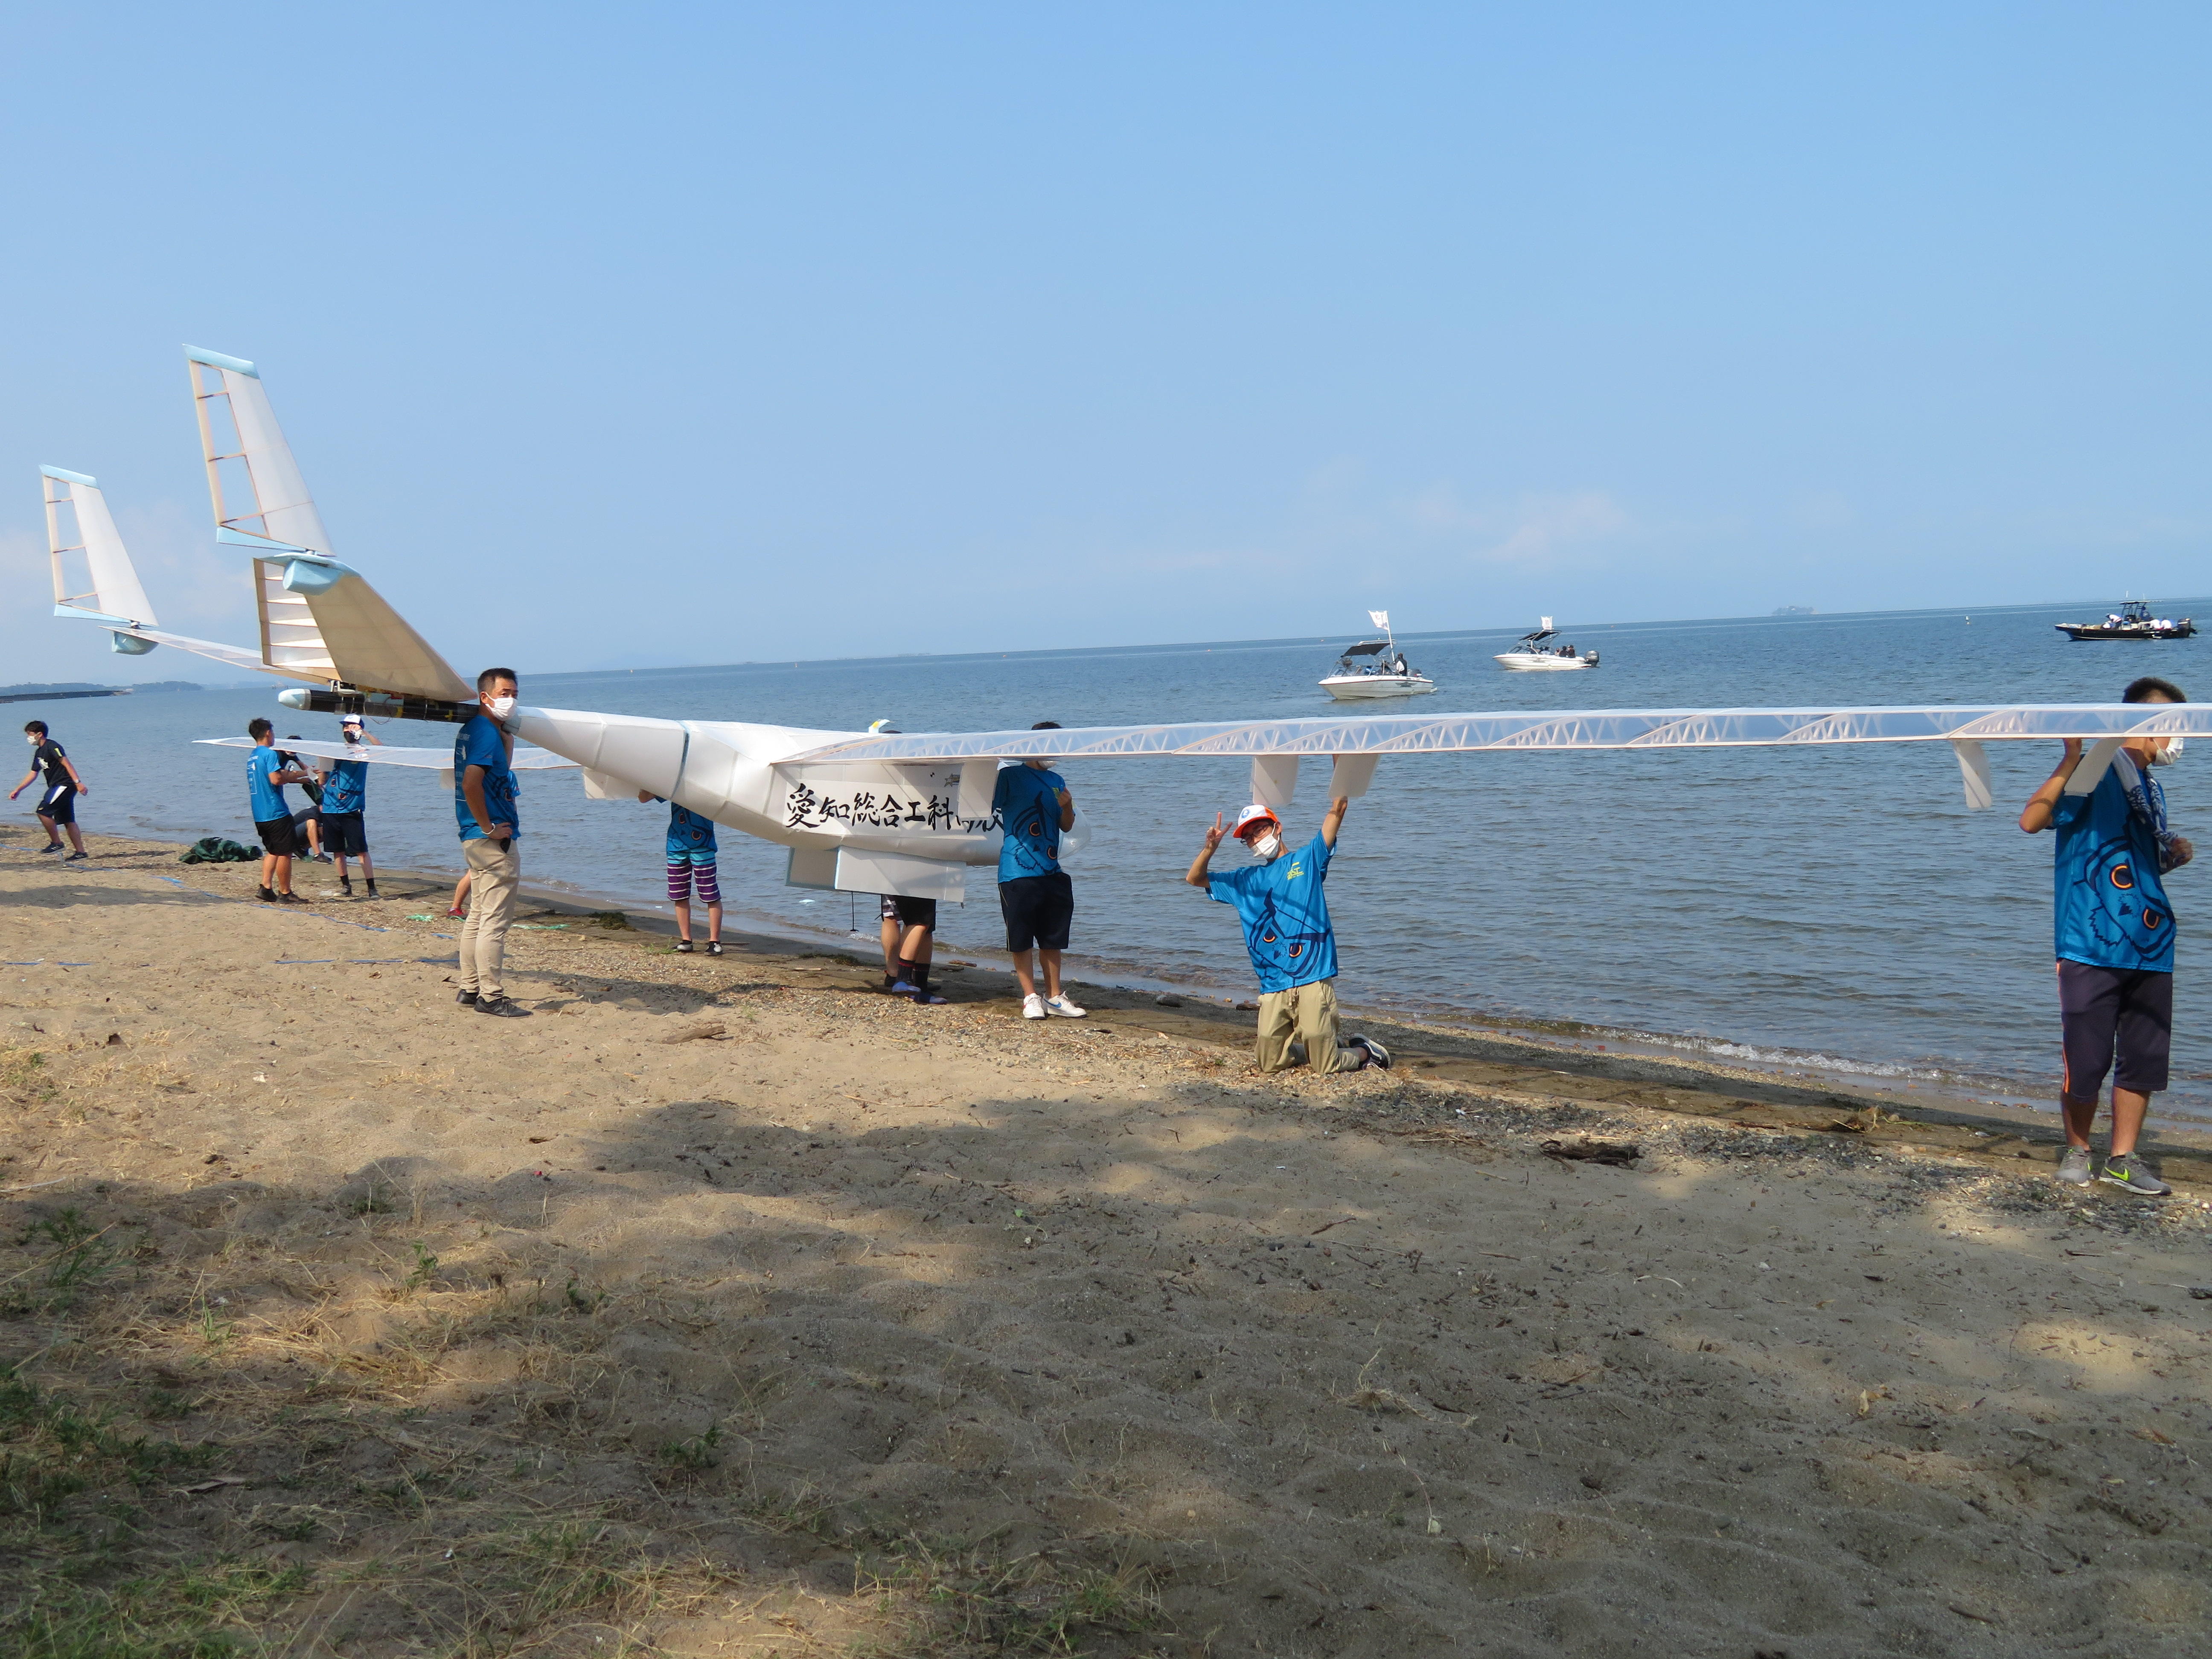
x=1304, y=1014
x=494, y=876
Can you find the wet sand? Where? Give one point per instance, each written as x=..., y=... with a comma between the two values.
x=730, y=1306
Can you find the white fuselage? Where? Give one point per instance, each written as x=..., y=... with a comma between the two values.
x=736, y=773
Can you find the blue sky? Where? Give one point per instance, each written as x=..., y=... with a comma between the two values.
x=678, y=334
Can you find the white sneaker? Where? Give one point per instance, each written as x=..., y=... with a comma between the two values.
x=1032, y=1006
x=1065, y=1009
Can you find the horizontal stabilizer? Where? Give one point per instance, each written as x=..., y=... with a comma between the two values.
x=527, y=759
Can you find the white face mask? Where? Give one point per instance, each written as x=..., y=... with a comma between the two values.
x=2169, y=755
x=1268, y=845
x=501, y=707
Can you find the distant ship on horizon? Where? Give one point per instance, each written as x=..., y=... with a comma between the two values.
x=1795, y=611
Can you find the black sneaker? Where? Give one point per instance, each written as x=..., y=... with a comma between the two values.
x=713, y=947
x=55, y=847
x=502, y=1007
x=1377, y=1053
x=372, y=893
x=74, y=857
x=346, y=888
x=269, y=895
x=467, y=998
x=682, y=947
x=287, y=896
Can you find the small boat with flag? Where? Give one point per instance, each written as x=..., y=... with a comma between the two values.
x=2132, y=620
x=1375, y=668
x=1533, y=653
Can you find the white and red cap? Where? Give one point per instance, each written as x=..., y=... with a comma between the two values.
x=1253, y=814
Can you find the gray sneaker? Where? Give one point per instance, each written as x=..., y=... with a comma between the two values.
x=2074, y=1168
x=2128, y=1174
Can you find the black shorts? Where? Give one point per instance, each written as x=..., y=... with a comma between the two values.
x=59, y=803
x=277, y=836
x=1037, y=910
x=2117, y=1020
x=344, y=835
x=910, y=911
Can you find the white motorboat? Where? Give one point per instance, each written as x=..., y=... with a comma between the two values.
x=1375, y=668
x=1532, y=653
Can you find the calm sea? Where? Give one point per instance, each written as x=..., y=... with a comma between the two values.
x=1833, y=905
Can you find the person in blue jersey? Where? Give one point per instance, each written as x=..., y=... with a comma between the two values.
x=2114, y=937
x=1033, y=807
x=485, y=807
x=691, y=854
x=266, y=774
x=57, y=804
x=1284, y=906
x=345, y=800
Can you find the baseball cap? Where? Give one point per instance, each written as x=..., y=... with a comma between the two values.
x=1253, y=814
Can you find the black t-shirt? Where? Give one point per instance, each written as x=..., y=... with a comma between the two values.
x=49, y=754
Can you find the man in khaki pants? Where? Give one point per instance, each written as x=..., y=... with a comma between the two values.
x=483, y=803
x=1287, y=932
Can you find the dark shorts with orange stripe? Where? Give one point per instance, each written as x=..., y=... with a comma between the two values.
x=2115, y=1020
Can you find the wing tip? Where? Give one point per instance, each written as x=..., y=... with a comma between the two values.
x=68, y=477
x=220, y=360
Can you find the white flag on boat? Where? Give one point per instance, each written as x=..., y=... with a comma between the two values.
x=1380, y=618
x=1547, y=624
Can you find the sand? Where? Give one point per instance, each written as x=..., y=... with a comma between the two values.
x=729, y=1307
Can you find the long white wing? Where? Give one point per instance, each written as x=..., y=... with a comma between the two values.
x=1558, y=729
x=527, y=759
x=321, y=620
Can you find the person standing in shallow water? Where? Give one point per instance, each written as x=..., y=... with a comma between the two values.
x=483, y=804
x=2114, y=934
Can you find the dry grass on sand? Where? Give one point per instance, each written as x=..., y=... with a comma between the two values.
x=726, y=1308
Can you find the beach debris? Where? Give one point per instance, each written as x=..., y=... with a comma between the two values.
x=213, y=1483
x=1868, y=1396
x=2202, y=1292
x=115, y=1039
x=709, y=1028
x=1165, y=1001
x=615, y=920
x=1620, y=1154
x=1248, y=1008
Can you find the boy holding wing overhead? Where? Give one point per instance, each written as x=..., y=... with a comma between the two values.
x=1287, y=933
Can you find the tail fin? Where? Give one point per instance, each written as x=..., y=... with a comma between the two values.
x=320, y=619
x=79, y=526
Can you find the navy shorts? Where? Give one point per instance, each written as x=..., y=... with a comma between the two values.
x=2114, y=1019
x=278, y=837
x=344, y=836
x=1038, y=910
x=58, y=804
x=910, y=911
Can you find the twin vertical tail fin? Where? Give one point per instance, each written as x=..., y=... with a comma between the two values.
x=94, y=577
x=319, y=620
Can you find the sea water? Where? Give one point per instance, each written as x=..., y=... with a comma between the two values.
x=1830, y=906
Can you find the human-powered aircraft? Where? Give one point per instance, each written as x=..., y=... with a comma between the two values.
x=861, y=812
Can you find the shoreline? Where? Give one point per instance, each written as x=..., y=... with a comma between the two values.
x=1530, y=1037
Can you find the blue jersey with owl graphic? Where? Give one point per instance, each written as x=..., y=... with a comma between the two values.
x=1285, y=916
x=2110, y=908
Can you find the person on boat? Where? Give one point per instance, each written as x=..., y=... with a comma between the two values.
x=2114, y=941
x=1287, y=933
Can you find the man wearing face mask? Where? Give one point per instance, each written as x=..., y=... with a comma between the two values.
x=2115, y=941
x=483, y=803
x=1036, y=897
x=1287, y=933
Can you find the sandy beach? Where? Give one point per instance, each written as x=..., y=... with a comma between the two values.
x=728, y=1307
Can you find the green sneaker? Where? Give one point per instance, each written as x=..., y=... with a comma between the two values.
x=2129, y=1176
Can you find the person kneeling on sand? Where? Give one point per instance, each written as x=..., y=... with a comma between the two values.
x=2115, y=941
x=1287, y=932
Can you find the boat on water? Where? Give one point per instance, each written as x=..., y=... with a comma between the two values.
x=2132, y=620
x=1375, y=668
x=1534, y=653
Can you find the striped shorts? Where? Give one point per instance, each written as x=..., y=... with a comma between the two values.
x=681, y=875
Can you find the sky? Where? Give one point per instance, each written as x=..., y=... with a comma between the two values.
x=661, y=334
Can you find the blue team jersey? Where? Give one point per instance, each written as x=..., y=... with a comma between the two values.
x=2109, y=907
x=481, y=744
x=346, y=788
x=1027, y=802
x=1285, y=916
x=690, y=837
x=262, y=766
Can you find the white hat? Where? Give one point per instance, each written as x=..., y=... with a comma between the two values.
x=1253, y=814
